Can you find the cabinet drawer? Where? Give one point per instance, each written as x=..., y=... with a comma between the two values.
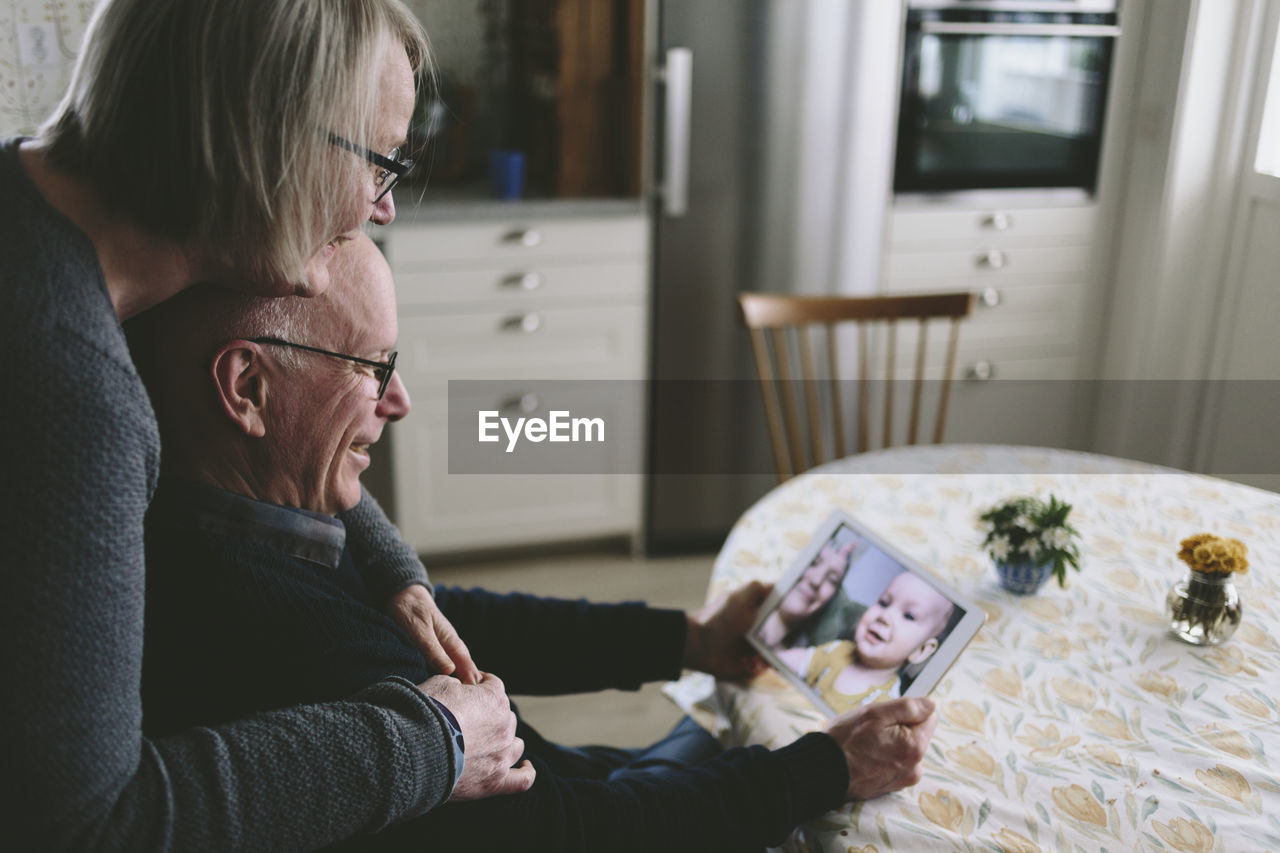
x=519, y=286
x=1007, y=298
x=428, y=247
x=1029, y=322
x=994, y=363
x=998, y=365
x=512, y=301
x=976, y=269
x=1026, y=339
x=560, y=343
x=442, y=511
x=1009, y=227
x=1022, y=404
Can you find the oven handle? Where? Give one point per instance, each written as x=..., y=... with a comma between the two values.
x=948, y=28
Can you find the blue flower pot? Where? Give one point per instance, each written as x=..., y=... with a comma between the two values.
x=1024, y=577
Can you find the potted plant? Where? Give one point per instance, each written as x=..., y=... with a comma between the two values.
x=1029, y=539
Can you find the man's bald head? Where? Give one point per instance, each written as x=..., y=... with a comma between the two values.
x=252, y=417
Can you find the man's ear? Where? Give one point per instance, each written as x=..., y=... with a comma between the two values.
x=240, y=381
x=926, y=650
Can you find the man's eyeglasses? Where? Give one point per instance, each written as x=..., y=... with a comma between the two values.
x=382, y=370
x=388, y=170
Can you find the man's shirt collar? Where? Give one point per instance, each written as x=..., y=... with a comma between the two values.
x=300, y=533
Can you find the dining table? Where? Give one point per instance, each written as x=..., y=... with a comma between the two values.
x=1075, y=719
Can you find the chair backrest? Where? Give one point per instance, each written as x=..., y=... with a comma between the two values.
x=780, y=315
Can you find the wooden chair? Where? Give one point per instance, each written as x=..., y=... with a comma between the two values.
x=777, y=314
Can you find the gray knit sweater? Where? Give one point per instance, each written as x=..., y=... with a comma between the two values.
x=83, y=452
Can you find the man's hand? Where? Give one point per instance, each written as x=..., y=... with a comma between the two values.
x=489, y=732
x=414, y=610
x=884, y=744
x=715, y=635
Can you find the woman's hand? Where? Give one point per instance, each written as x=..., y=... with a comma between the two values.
x=414, y=610
x=715, y=638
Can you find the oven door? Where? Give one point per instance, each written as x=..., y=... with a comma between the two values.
x=999, y=99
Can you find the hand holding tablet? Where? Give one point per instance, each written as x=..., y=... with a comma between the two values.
x=855, y=621
x=884, y=744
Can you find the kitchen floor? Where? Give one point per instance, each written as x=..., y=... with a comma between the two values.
x=614, y=717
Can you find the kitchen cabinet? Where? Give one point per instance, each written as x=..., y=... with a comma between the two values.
x=578, y=85
x=561, y=82
x=512, y=300
x=1033, y=269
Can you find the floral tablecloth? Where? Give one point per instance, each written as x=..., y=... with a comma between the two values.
x=1074, y=720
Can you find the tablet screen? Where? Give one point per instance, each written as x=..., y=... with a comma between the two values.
x=856, y=621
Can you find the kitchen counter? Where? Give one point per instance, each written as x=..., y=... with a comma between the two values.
x=422, y=205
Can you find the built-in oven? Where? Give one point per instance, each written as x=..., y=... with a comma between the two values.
x=1003, y=93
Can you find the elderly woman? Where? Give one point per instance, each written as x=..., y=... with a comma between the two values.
x=235, y=142
x=803, y=604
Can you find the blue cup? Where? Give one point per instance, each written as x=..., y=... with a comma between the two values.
x=506, y=174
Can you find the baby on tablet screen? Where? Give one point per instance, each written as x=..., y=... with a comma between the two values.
x=903, y=626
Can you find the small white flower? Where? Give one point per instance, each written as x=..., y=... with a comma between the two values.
x=1031, y=547
x=1056, y=537
x=999, y=547
x=1024, y=522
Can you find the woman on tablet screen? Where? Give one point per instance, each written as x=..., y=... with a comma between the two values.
x=802, y=606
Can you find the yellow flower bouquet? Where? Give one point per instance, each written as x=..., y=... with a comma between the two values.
x=1205, y=609
x=1205, y=552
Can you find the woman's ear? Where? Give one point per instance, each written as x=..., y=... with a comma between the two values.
x=926, y=650
x=240, y=381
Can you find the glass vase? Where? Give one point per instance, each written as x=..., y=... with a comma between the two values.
x=1205, y=608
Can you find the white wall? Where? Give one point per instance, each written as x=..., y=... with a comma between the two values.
x=1239, y=419
x=1185, y=155
x=39, y=41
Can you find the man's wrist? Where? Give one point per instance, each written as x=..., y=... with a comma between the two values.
x=408, y=583
x=817, y=774
x=456, y=739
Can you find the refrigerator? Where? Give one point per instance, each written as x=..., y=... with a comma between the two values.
x=772, y=139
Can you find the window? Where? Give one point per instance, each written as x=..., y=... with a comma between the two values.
x=1268, y=160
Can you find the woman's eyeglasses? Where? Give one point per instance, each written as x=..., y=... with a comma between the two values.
x=388, y=170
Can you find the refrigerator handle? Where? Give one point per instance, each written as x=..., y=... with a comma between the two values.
x=677, y=74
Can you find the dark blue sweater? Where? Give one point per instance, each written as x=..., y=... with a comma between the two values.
x=234, y=627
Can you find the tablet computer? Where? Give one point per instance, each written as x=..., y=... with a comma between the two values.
x=856, y=621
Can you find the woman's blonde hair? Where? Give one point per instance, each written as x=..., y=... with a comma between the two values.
x=208, y=121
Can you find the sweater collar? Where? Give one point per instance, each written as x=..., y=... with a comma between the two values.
x=311, y=536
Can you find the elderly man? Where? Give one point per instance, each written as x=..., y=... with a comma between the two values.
x=253, y=601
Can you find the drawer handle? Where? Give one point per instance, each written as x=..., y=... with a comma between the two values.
x=980, y=371
x=990, y=298
x=523, y=280
x=997, y=221
x=526, y=403
x=528, y=237
x=992, y=260
x=522, y=323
